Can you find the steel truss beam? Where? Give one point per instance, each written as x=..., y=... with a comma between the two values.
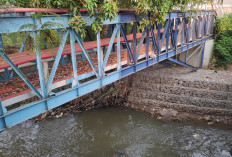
x=176, y=29
x=28, y=111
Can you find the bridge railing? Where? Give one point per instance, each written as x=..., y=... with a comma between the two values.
x=180, y=32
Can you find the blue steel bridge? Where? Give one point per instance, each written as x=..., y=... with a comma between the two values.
x=118, y=55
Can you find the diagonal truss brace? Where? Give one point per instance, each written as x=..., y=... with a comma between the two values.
x=85, y=52
x=115, y=31
x=127, y=45
x=182, y=63
x=56, y=62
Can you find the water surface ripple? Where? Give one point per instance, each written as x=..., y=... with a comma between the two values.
x=114, y=132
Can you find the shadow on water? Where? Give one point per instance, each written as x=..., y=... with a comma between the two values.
x=114, y=132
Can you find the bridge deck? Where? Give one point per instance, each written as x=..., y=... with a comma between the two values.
x=25, y=57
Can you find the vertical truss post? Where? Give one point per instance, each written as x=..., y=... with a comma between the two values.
x=188, y=31
x=182, y=32
x=7, y=74
x=118, y=48
x=168, y=34
x=198, y=27
x=185, y=30
x=147, y=44
x=112, y=32
x=158, y=39
x=39, y=65
x=134, y=40
x=176, y=31
x=203, y=27
x=202, y=55
x=172, y=33
x=193, y=30
x=212, y=25
x=75, y=82
x=206, y=25
x=99, y=55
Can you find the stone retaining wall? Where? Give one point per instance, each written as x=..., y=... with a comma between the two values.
x=162, y=91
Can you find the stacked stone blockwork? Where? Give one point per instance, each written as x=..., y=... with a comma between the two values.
x=178, y=93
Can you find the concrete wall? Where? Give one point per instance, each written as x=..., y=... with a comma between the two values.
x=194, y=54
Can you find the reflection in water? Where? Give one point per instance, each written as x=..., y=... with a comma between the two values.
x=113, y=132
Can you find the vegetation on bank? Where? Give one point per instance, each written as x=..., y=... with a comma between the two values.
x=223, y=41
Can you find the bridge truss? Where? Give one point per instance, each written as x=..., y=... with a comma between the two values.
x=134, y=52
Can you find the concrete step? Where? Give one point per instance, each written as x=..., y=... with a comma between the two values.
x=180, y=99
x=136, y=101
x=168, y=80
x=183, y=91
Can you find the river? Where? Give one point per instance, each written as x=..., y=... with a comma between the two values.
x=114, y=132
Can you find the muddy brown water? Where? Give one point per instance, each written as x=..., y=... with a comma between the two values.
x=114, y=132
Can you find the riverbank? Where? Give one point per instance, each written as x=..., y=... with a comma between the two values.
x=166, y=93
